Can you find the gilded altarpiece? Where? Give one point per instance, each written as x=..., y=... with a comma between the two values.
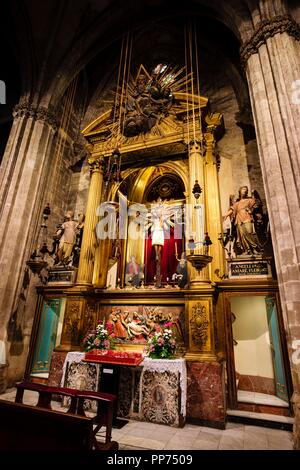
x=166, y=149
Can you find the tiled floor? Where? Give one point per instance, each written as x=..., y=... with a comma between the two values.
x=138, y=435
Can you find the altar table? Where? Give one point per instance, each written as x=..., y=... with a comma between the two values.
x=155, y=391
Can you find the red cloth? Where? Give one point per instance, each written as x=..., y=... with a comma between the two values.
x=168, y=259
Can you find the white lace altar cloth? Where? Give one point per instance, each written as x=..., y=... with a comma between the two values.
x=169, y=365
x=70, y=357
x=80, y=375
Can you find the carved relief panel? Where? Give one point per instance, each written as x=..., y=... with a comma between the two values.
x=134, y=323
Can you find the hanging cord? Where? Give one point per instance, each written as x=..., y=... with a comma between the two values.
x=122, y=89
x=83, y=109
x=59, y=147
x=127, y=81
x=198, y=88
x=125, y=59
x=186, y=86
x=113, y=141
x=126, y=95
x=192, y=73
x=69, y=108
x=62, y=134
x=117, y=92
x=200, y=119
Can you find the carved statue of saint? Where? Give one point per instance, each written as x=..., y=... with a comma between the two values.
x=66, y=234
x=241, y=213
x=134, y=273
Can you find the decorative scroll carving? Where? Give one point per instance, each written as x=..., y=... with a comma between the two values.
x=71, y=327
x=38, y=113
x=89, y=318
x=199, y=325
x=267, y=29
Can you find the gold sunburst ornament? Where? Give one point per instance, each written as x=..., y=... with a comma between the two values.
x=150, y=99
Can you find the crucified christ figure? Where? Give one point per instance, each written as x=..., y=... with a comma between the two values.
x=160, y=220
x=158, y=242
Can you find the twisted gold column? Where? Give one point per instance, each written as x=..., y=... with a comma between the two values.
x=89, y=242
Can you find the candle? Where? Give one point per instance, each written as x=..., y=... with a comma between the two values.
x=176, y=253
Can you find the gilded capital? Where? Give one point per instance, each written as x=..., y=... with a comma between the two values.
x=96, y=164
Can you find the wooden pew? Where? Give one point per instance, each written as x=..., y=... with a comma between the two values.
x=105, y=411
x=24, y=427
x=105, y=407
x=45, y=394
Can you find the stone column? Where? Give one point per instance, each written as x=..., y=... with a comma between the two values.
x=272, y=62
x=196, y=222
x=23, y=177
x=89, y=240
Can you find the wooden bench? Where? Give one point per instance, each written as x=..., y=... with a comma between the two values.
x=105, y=411
x=45, y=394
x=25, y=428
x=105, y=407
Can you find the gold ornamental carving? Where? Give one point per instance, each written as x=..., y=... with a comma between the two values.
x=89, y=319
x=155, y=113
x=96, y=164
x=199, y=326
x=72, y=321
